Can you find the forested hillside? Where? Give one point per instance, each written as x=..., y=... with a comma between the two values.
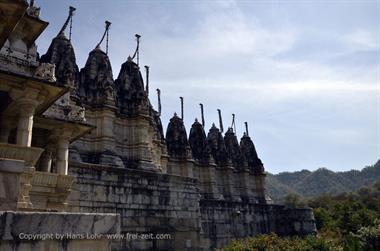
x=309, y=184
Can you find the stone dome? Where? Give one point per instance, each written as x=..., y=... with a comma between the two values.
x=131, y=95
x=233, y=149
x=250, y=155
x=176, y=138
x=61, y=53
x=215, y=143
x=96, y=80
x=197, y=141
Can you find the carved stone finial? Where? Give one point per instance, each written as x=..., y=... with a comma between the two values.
x=220, y=120
x=137, y=52
x=69, y=19
x=159, y=101
x=181, y=98
x=147, y=79
x=202, y=115
x=106, y=32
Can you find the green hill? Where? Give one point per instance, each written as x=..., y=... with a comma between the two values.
x=309, y=184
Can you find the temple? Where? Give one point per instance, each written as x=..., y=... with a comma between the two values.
x=83, y=152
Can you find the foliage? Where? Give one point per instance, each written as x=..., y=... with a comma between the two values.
x=322, y=181
x=345, y=222
x=369, y=237
x=347, y=212
x=293, y=200
x=273, y=242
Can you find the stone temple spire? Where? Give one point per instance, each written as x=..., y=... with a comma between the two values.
x=61, y=53
x=250, y=155
x=197, y=141
x=176, y=138
x=132, y=98
x=233, y=149
x=215, y=143
x=96, y=81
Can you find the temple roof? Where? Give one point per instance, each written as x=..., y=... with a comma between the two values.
x=96, y=79
x=216, y=144
x=176, y=138
x=61, y=53
x=250, y=155
x=233, y=148
x=197, y=141
x=131, y=95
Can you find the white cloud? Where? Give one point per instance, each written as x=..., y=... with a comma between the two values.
x=363, y=40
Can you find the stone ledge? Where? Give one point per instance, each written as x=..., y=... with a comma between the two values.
x=12, y=166
x=14, y=223
x=28, y=154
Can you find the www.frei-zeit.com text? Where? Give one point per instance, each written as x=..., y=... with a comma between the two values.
x=73, y=236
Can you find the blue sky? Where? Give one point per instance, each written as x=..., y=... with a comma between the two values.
x=304, y=74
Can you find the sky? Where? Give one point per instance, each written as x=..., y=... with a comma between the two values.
x=305, y=75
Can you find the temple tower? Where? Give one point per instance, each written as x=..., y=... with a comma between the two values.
x=224, y=168
x=255, y=166
x=180, y=160
x=204, y=164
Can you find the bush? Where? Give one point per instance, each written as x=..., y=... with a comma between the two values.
x=275, y=243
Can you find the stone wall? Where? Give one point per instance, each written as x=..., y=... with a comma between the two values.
x=151, y=202
x=293, y=221
x=224, y=221
x=30, y=231
x=148, y=202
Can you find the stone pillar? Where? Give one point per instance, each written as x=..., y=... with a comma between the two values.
x=45, y=161
x=62, y=156
x=25, y=123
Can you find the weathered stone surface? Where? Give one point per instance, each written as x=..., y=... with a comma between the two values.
x=217, y=146
x=176, y=138
x=158, y=124
x=96, y=81
x=61, y=53
x=148, y=203
x=250, y=155
x=131, y=98
x=16, y=223
x=29, y=231
x=10, y=183
x=198, y=144
x=233, y=149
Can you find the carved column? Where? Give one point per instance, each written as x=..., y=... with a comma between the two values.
x=62, y=156
x=60, y=137
x=46, y=160
x=25, y=122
